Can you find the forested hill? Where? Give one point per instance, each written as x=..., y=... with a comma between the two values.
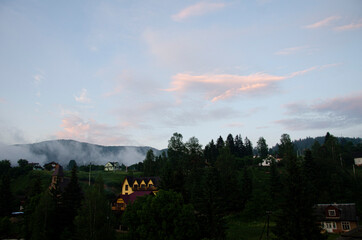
x=306, y=143
x=64, y=150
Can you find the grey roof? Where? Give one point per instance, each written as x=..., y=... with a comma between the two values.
x=347, y=211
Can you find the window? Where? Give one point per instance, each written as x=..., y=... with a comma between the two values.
x=332, y=213
x=150, y=185
x=126, y=187
x=330, y=225
x=346, y=226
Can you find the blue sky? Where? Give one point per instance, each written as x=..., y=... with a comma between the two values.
x=135, y=72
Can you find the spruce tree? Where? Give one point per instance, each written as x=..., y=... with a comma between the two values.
x=296, y=219
x=71, y=201
x=94, y=219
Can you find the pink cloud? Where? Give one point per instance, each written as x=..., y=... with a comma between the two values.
x=74, y=127
x=218, y=87
x=2, y=100
x=351, y=26
x=325, y=22
x=197, y=9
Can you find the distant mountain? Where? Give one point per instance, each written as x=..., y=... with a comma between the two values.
x=62, y=151
x=303, y=144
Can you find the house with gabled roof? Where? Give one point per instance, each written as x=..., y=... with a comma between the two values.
x=134, y=187
x=58, y=179
x=111, y=166
x=337, y=218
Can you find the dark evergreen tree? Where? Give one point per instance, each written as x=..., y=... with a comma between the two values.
x=230, y=144
x=262, y=148
x=310, y=171
x=6, y=197
x=44, y=219
x=248, y=147
x=275, y=185
x=195, y=158
x=5, y=167
x=246, y=187
x=220, y=144
x=226, y=164
x=239, y=145
x=72, y=163
x=33, y=197
x=208, y=202
x=176, y=152
x=149, y=164
x=71, y=203
x=161, y=217
x=211, y=152
x=296, y=219
x=286, y=147
x=94, y=220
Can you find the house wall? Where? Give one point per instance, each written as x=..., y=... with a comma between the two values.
x=150, y=183
x=124, y=191
x=358, y=161
x=108, y=167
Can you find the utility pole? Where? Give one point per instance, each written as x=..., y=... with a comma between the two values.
x=90, y=169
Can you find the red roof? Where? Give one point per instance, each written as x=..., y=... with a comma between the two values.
x=132, y=197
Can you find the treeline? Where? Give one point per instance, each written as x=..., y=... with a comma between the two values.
x=200, y=188
x=224, y=178
x=58, y=212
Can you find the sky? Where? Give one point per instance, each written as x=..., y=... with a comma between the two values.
x=133, y=73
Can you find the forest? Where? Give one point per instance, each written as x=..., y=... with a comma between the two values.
x=204, y=193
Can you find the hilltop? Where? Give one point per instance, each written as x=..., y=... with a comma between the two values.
x=62, y=151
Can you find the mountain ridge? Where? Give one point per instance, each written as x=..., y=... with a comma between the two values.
x=64, y=150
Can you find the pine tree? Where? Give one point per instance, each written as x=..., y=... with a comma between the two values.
x=71, y=202
x=6, y=197
x=296, y=219
x=149, y=164
x=246, y=187
x=94, y=220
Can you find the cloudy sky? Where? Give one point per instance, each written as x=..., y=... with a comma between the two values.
x=135, y=72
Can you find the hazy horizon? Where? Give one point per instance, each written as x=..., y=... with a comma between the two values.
x=131, y=73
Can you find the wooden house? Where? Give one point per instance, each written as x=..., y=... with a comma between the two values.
x=111, y=166
x=337, y=218
x=58, y=179
x=133, y=187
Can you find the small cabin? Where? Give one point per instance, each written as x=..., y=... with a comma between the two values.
x=337, y=218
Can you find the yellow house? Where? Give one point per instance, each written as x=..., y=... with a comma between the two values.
x=133, y=187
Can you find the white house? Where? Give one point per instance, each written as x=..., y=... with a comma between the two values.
x=267, y=161
x=111, y=166
x=358, y=161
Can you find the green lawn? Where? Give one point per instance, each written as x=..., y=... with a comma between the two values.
x=238, y=229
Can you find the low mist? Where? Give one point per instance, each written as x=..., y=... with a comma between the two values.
x=62, y=151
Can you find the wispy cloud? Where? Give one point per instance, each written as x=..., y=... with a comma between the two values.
x=292, y=50
x=323, y=23
x=324, y=114
x=222, y=86
x=2, y=100
x=197, y=9
x=38, y=78
x=351, y=26
x=83, y=98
